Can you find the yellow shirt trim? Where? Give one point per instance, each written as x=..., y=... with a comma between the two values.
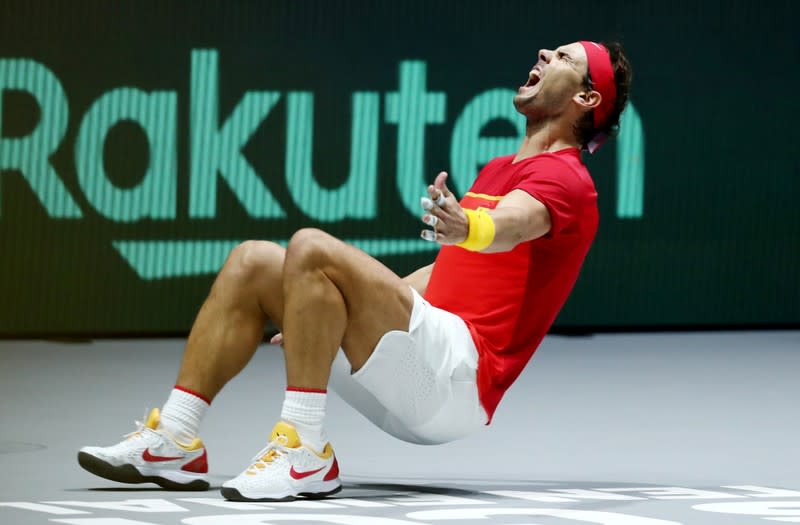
x=484, y=196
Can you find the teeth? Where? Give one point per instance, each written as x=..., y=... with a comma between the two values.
x=533, y=78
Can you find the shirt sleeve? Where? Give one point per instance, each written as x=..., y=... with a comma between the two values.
x=554, y=184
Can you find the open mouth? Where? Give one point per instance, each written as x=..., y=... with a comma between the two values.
x=533, y=78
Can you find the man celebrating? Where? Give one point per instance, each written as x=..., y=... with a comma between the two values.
x=427, y=357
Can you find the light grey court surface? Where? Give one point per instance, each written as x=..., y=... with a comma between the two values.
x=638, y=429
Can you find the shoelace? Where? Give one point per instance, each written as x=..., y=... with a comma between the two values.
x=275, y=448
x=140, y=426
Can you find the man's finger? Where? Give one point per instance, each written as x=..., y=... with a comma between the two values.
x=437, y=196
x=277, y=339
x=428, y=235
x=441, y=213
x=428, y=204
x=430, y=220
x=441, y=183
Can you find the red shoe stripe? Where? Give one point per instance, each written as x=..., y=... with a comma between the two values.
x=333, y=473
x=307, y=390
x=300, y=475
x=147, y=456
x=198, y=465
x=192, y=392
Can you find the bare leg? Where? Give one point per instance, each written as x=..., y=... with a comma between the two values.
x=230, y=324
x=336, y=295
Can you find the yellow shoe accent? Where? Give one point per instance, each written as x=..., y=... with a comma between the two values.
x=288, y=432
x=196, y=444
x=326, y=453
x=154, y=419
x=286, y=436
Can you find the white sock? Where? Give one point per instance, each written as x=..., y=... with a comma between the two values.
x=305, y=410
x=182, y=414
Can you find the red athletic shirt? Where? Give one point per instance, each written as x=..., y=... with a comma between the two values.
x=509, y=300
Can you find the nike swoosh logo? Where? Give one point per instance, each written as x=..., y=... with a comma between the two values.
x=147, y=456
x=301, y=475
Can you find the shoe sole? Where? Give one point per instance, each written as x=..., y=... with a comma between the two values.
x=232, y=494
x=129, y=474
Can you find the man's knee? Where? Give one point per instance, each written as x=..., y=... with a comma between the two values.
x=310, y=247
x=253, y=259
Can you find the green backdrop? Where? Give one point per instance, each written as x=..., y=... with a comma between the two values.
x=141, y=140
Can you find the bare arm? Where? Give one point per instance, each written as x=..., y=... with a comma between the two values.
x=518, y=217
x=418, y=280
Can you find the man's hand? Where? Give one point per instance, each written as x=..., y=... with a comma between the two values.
x=444, y=214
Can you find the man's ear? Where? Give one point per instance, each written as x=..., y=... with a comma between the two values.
x=588, y=99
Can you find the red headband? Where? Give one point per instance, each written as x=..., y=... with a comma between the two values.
x=602, y=75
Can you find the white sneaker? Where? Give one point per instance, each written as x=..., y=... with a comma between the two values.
x=148, y=454
x=284, y=470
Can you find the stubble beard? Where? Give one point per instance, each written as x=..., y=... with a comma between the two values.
x=528, y=109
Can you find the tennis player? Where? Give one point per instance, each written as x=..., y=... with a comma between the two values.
x=428, y=357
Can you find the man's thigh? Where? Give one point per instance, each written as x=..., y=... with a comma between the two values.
x=377, y=300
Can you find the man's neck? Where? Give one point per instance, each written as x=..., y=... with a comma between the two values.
x=542, y=137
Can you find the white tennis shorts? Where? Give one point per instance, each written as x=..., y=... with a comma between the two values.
x=420, y=385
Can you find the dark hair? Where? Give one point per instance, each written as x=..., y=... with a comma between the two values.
x=584, y=128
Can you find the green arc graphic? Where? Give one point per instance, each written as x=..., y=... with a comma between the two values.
x=630, y=165
x=171, y=259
